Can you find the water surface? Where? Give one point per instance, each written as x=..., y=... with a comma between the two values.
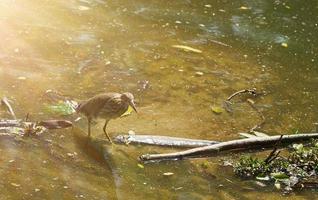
x=84, y=47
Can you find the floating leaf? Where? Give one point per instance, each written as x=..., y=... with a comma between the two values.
x=217, y=109
x=284, y=44
x=168, y=173
x=187, y=48
x=15, y=184
x=140, y=166
x=279, y=176
x=83, y=8
x=250, y=101
x=199, y=73
x=244, y=8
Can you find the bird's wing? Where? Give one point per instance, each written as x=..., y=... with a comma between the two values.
x=92, y=106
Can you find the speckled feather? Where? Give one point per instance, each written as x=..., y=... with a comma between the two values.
x=106, y=106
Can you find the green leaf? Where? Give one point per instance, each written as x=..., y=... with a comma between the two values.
x=279, y=175
x=217, y=109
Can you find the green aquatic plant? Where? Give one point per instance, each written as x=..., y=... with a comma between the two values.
x=61, y=108
x=291, y=171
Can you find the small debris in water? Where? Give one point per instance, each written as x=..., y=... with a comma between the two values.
x=178, y=22
x=199, y=73
x=36, y=190
x=187, y=48
x=217, y=109
x=22, y=78
x=83, y=8
x=10, y=161
x=207, y=6
x=168, y=173
x=15, y=184
x=284, y=44
x=131, y=132
x=244, y=8
x=65, y=187
x=140, y=166
x=260, y=184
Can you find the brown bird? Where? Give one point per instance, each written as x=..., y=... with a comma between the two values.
x=107, y=106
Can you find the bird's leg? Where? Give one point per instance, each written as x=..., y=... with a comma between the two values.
x=104, y=129
x=89, y=126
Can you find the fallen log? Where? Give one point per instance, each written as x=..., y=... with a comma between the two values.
x=162, y=141
x=241, y=144
x=10, y=123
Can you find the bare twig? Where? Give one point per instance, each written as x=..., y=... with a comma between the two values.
x=6, y=103
x=250, y=91
x=273, y=155
x=242, y=144
x=27, y=117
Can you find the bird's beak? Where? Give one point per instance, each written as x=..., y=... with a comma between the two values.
x=132, y=104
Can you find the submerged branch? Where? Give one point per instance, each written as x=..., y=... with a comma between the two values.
x=250, y=91
x=162, y=141
x=241, y=144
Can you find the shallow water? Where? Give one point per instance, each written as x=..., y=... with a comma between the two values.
x=81, y=48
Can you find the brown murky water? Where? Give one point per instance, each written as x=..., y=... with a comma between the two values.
x=84, y=47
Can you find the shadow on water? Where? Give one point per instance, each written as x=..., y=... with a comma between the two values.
x=102, y=152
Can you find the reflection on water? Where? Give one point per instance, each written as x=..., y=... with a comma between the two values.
x=81, y=48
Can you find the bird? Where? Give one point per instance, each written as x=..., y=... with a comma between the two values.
x=106, y=106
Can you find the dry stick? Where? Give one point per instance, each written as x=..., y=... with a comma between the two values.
x=273, y=155
x=250, y=91
x=5, y=101
x=241, y=144
x=163, y=141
